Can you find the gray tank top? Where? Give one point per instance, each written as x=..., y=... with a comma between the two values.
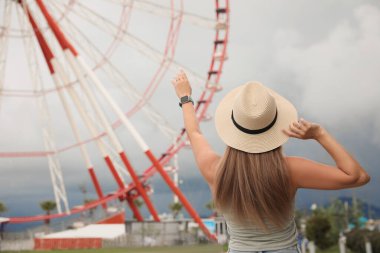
x=254, y=238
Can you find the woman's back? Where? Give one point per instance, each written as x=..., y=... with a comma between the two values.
x=253, y=186
x=255, y=195
x=245, y=237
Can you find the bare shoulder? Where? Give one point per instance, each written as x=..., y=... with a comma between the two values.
x=295, y=162
x=292, y=163
x=302, y=170
x=298, y=164
x=305, y=173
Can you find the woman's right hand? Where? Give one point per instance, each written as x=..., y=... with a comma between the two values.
x=181, y=84
x=304, y=130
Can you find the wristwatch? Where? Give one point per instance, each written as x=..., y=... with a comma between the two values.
x=185, y=99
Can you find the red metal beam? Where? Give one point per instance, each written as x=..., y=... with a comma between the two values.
x=66, y=45
x=135, y=210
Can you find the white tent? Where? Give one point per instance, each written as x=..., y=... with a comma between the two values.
x=104, y=231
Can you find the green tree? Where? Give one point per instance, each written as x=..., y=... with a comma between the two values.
x=356, y=239
x=138, y=203
x=356, y=211
x=48, y=206
x=337, y=216
x=341, y=214
x=176, y=208
x=318, y=229
x=92, y=209
x=83, y=190
x=3, y=208
x=299, y=217
x=211, y=206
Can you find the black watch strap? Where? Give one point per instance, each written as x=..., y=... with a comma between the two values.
x=185, y=99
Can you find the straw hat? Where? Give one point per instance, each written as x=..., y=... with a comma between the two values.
x=251, y=118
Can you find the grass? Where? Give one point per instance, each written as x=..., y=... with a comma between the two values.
x=210, y=248
x=334, y=249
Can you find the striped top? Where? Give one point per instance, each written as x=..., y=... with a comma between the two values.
x=253, y=238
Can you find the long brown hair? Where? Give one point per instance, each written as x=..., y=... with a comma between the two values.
x=254, y=187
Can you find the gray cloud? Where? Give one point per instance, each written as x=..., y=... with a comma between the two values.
x=337, y=76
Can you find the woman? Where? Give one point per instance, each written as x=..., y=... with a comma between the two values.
x=253, y=184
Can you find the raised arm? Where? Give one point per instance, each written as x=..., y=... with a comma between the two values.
x=308, y=174
x=205, y=156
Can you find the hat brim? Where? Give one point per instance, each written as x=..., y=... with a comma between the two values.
x=253, y=143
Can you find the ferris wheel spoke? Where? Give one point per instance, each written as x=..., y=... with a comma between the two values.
x=117, y=77
x=4, y=40
x=129, y=90
x=155, y=55
x=121, y=81
x=134, y=42
x=75, y=34
x=7, y=10
x=122, y=25
x=56, y=175
x=195, y=82
x=79, y=67
x=114, y=155
x=135, y=134
x=107, y=26
x=145, y=148
x=165, y=11
x=84, y=152
x=89, y=15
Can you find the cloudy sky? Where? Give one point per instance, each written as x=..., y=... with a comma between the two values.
x=322, y=55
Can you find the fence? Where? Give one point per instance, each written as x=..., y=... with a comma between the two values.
x=149, y=233
x=137, y=234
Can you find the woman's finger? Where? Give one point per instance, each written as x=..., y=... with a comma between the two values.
x=291, y=134
x=302, y=125
x=294, y=128
x=296, y=124
x=305, y=123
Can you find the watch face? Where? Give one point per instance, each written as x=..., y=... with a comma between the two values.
x=184, y=99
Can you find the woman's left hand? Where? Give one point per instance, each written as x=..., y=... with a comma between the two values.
x=181, y=84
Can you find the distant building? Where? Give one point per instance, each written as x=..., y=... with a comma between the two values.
x=373, y=224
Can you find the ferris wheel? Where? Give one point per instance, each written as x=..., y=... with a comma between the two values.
x=86, y=85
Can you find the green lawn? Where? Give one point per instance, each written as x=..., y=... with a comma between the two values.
x=177, y=249
x=174, y=249
x=334, y=249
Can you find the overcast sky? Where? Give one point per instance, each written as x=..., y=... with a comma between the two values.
x=322, y=55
